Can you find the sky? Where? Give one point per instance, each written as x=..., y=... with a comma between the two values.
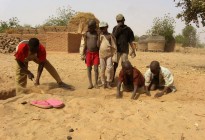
x=138, y=14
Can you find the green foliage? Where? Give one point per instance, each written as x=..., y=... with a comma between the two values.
x=27, y=26
x=200, y=45
x=179, y=39
x=192, y=11
x=190, y=36
x=12, y=23
x=62, y=18
x=163, y=26
x=3, y=26
x=136, y=38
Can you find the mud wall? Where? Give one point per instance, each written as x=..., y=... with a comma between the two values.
x=63, y=41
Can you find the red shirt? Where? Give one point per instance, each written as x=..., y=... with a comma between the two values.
x=136, y=78
x=23, y=51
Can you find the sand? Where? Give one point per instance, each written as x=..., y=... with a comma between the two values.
x=96, y=114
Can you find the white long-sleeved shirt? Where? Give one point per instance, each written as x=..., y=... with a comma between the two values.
x=165, y=77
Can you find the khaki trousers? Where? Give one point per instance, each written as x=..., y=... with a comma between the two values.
x=21, y=78
x=106, y=64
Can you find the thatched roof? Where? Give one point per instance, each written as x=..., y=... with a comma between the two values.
x=143, y=39
x=79, y=22
x=156, y=38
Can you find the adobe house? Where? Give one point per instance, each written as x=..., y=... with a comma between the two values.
x=58, y=38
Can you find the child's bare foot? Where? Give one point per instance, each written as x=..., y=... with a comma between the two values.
x=96, y=86
x=109, y=85
x=90, y=86
x=119, y=95
x=136, y=96
x=104, y=86
x=133, y=96
x=147, y=93
x=64, y=85
x=113, y=80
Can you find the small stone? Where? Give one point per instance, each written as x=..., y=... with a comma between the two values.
x=69, y=138
x=24, y=102
x=71, y=130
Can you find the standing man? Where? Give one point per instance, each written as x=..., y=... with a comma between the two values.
x=32, y=50
x=124, y=37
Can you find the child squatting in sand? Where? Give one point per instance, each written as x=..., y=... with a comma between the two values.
x=158, y=77
x=131, y=79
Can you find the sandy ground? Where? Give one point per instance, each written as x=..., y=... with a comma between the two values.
x=97, y=114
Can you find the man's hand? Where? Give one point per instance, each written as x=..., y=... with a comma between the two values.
x=30, y=75
x=159, y=94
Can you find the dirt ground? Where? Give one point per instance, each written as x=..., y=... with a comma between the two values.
x=96, y=114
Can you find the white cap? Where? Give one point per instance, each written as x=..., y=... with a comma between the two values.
x=103, y=24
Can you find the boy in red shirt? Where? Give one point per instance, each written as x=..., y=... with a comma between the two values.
x=132, y=80
x=27, y=51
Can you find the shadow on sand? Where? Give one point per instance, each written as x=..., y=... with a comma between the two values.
x=62, y=86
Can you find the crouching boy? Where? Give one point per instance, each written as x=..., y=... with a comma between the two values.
x=158, y=77
x=131, y=79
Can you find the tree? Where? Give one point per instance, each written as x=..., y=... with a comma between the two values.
x=12, y=23
x=179, y=39
x=27, y=26
x=192, y=11
x=190, y=36
x=163, y=26
x=62, y=18
x=201, y=45
x=136, y=38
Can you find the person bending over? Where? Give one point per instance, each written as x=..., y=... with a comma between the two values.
x=158, y=77
x=130, y=79
x=32, y=50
